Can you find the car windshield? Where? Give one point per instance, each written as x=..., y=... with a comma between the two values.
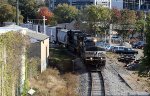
x=107, y=46
x=111, y=47
x=89, y=43
x=121, y=48
x=115, y=47
x=95, y=49
x=130, y=49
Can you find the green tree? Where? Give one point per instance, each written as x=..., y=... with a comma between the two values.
x=7, y=13
x=28, y=9
x=97, y=18
x=145, y=65
x=140, y=24
x=65, y=13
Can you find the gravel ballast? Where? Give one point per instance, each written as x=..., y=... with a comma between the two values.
x=116, y=85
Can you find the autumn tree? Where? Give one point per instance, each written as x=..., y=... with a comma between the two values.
x=44, y=11
x=65, y=13
x=116, y=16
x=128, y=20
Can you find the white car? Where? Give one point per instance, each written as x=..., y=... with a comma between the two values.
x=109, y=47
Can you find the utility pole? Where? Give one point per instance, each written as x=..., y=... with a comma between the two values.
x=44, y=24
x=110, y=33
x=139, y=4
x=17, y=12
x=110, y=3
x=105, y=36
x=144, y=27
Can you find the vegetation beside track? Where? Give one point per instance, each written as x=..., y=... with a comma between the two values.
x=61, y=59
x=57, y=80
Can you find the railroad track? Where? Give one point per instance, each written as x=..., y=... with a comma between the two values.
x=96, y=84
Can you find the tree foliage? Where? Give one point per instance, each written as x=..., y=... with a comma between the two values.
x=12, y=43
x=96, y=17
x=7, y=13
x=116, y=16
x=65, y=13
x=145, y=65
x=128, y=21
x=128, y=16
x=44, y=11
x=140, y=23
x=28, y=9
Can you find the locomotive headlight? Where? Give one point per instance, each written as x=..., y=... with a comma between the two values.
x=91, y=58
x=95, y=40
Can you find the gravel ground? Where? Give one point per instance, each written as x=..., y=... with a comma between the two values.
x=112, y=73
x=114, y=83
x=134, y=86
x=83, y=77
x=117, y=86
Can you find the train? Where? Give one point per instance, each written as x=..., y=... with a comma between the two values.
x=81, y=44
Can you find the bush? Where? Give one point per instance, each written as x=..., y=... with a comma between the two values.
x=51, y=83
x=61, y=59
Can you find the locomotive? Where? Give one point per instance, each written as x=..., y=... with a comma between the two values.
x=83, y=45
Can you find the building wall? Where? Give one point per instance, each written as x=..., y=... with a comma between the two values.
x=34, y=50
x=131, y=4
x=117, y=4
x=40, y=50
x=120, y=4
x=137, y=4
x=44, y=54
x=104, y=3
x=82, y=3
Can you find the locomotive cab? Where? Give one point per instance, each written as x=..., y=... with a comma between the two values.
x=94, y=56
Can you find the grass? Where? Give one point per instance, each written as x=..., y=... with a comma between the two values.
x=111, y=55
x=61, y=59
x=51, y=83
x=61, y=53
x=57, y=81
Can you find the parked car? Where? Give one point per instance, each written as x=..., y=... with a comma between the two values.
x=101, y=44
x=109, y=47
x=134, y=65
x=139, y=44
x=124, y=50
x=116, y=37
x=118, y=49
x=129, y=51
